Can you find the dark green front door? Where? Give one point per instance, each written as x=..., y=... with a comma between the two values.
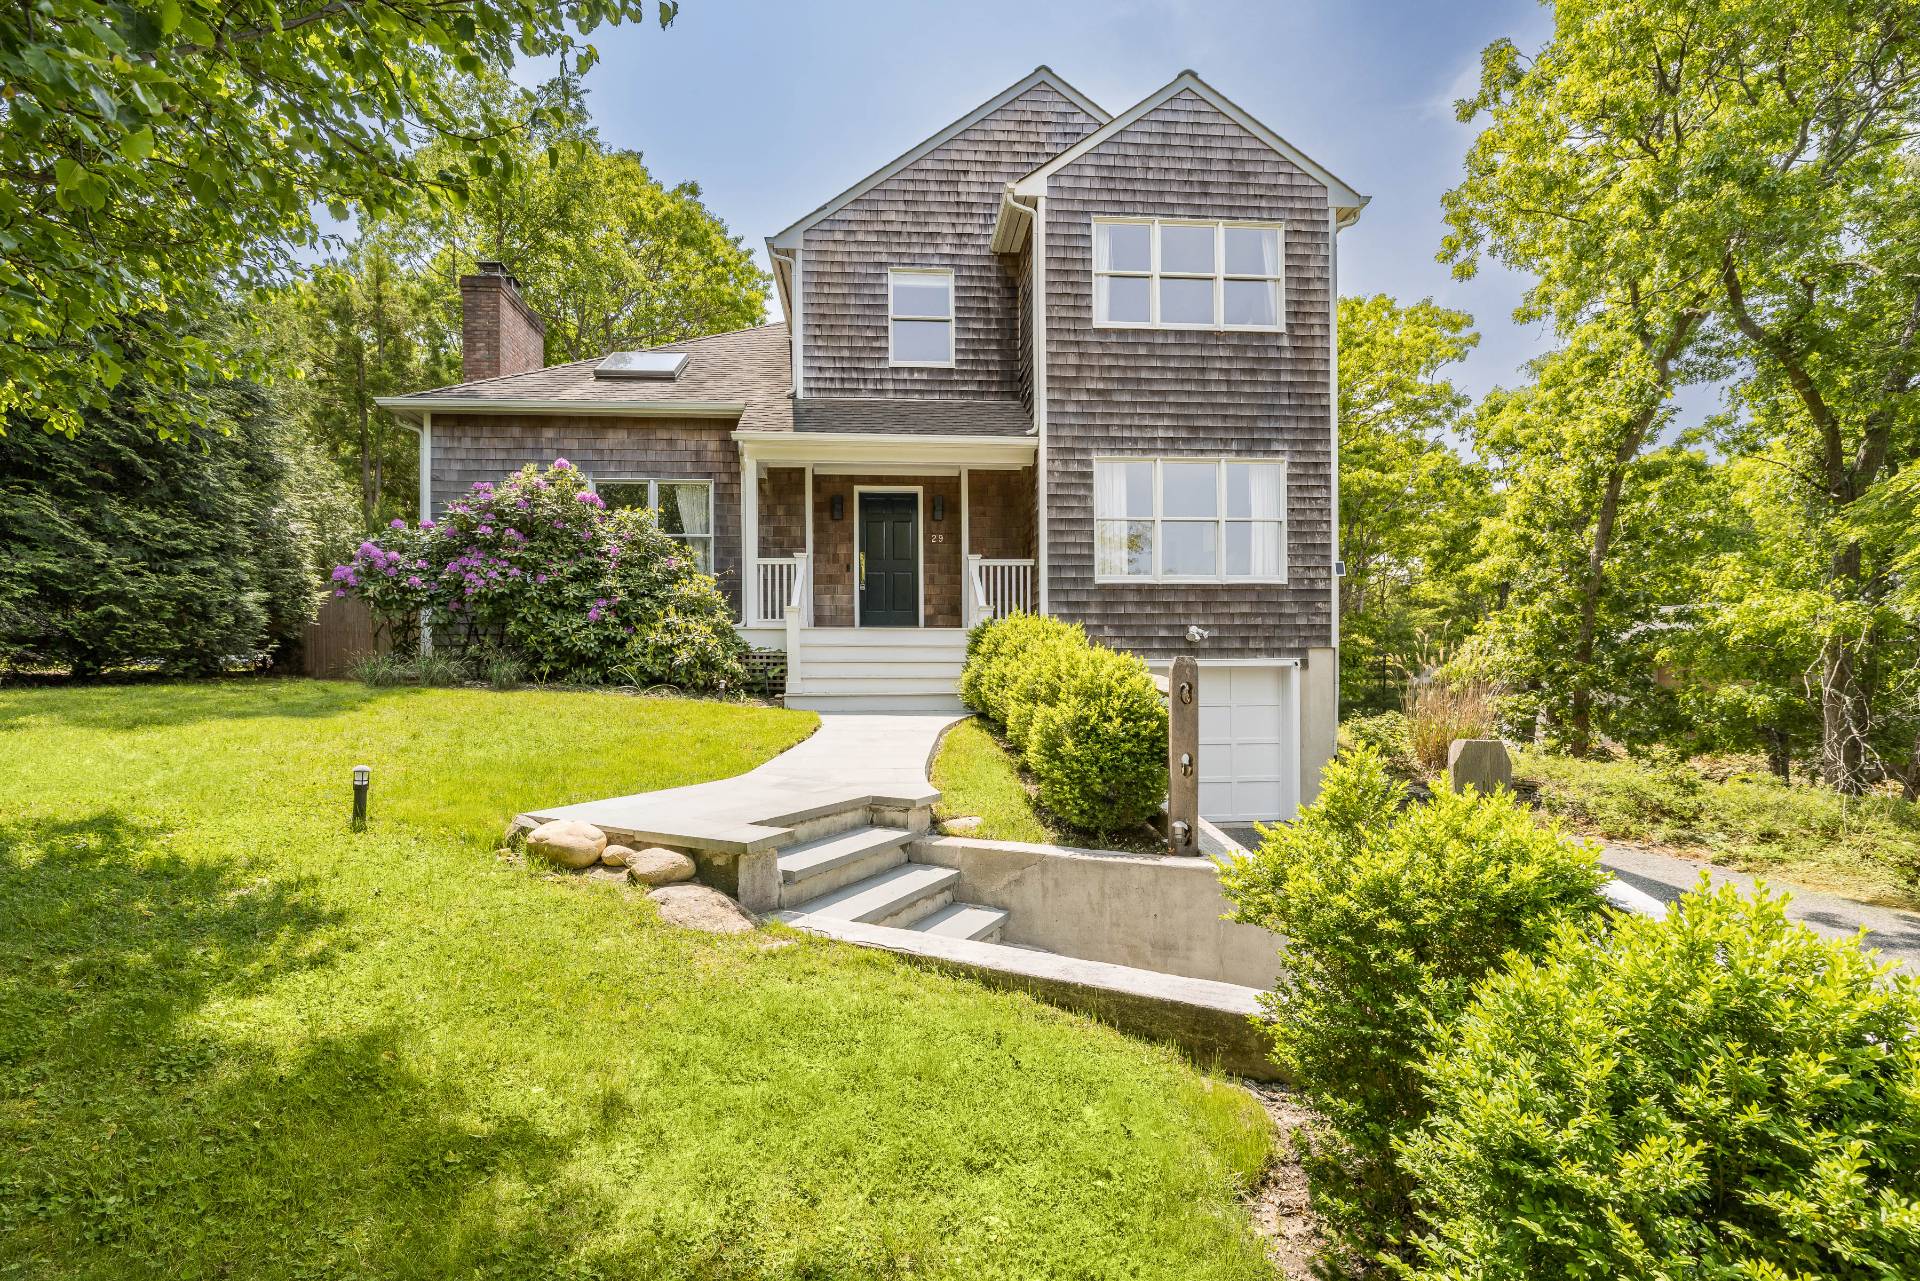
x=889, y=560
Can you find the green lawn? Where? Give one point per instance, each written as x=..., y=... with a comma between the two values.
x=978, y=777
x=238, y=1040
x=1867, y=848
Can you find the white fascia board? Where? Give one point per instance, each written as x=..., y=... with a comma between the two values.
x=889, y=447
x=1339, y=194
x=624, y=408
x=790, y=238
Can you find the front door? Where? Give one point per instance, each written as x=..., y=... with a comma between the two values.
x=889, y=560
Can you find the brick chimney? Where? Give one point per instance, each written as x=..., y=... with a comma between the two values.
x=499, y=333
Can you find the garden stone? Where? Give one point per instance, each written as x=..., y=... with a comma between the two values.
x=616, y=855
x=960, y=826
x=658, y=866
x=1479, y=763
x=568, y=842
x=701, y=907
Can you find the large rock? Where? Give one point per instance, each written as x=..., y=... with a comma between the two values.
x=616, y=855
x=568, y=842
x=701, y=907
x=656, y=866
x=1479, y=763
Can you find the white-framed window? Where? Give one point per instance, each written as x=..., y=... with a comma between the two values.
x=1189, y=520
x=684, y=508
x=920, y=317
x=1179, y=273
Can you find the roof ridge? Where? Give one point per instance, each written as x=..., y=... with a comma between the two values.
x=724, y=333
x=590, y=360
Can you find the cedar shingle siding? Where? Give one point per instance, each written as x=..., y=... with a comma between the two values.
x=937, y=212
x=1189, y=392
x=471, y=447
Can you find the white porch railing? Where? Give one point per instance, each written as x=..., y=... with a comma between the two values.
x=772, y=586
x=999, y=588
x=797, y=614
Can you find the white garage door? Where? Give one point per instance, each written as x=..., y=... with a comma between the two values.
x=1249, y=762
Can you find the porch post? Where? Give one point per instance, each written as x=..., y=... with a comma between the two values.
x=807, y=542
x=752, y=608
x=966, y=538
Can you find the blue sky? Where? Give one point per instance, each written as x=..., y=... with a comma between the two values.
x=773, y=108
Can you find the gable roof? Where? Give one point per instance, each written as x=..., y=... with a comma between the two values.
x=744, y=374
x=1343, y=198
x=790, y=237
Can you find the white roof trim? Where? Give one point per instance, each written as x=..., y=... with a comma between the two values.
x=878, y=447
x=1339, y=194
x=790, y=238
x=547, y=405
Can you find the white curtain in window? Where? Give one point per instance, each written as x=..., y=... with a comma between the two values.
x=1109, y=510
x=1269, y=511
x=690, y=501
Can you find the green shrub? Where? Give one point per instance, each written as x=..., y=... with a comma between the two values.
x=1390, y=917
x=1099, y=749
x=1088, y=721
x=1383, y=732
x=1719, y=1094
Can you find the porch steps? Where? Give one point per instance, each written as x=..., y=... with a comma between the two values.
x=878, y=669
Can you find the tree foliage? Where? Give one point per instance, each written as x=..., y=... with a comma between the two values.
x=156, y=153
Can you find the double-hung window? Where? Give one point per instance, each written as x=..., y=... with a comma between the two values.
x=920, y=317
x=684, y=509
x=1160, y=273
x=1191, y=519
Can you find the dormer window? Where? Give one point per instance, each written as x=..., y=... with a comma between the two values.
x=920, y=317
x=1167, y=273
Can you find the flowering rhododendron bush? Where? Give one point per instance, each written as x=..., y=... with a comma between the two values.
x=536, y=567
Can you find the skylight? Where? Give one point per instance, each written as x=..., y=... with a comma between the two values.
x=641, y=364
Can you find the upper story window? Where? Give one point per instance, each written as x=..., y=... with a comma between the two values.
x=1163, y=273
x=684, y=508
x=920, y=317
x=1189, y=519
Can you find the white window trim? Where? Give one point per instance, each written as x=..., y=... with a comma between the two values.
x=1220, y=275
x=653, y=484
x=1220, y=520
x=952, y=319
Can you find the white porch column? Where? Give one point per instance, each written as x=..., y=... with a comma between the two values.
x=752, y=608
x=807, y=536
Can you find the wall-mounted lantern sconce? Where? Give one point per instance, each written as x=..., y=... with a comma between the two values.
x=837, y=507
x=939, y=506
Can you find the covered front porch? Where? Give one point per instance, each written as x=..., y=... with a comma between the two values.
x=880, y=533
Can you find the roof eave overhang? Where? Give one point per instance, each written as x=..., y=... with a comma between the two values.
x=416, y=405
x=1345, y=200
x=790, y=237
x=889, y=447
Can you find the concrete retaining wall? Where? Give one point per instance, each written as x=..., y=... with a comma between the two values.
x=1151, y=913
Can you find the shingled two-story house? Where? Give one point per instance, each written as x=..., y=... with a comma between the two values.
x=1049, y=359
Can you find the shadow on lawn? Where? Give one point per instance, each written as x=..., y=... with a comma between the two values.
x=150, y=1126
x=137, y=707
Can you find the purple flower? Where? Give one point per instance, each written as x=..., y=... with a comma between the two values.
x=539, y=578
x=340, y=572
x=593, y=616
x=426, y=524
x=483, y=529
x=600, y=602
x=397, y=523
x=339, y=591
x=561, y=464
x=413, y=580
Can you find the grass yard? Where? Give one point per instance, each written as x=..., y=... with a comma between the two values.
x=979, y=777
x=238, y=1040
x=1866, y=848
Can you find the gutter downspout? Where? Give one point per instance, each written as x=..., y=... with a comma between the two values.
x=1036, y=217
x=790, y=298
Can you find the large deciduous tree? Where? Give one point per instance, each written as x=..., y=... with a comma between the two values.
x=1410, y=505
x=156, y=152
x=1739, y=175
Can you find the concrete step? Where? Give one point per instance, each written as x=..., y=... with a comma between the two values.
x=964, y=921
x=896, y=897
x=879, y=681
x=929, y=701
x=834, y=862
x=938, y=638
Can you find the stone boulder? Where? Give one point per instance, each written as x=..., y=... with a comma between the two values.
x=616, y=855
x=656, y=866
x=567, y=842
x=701, y=907
x=1479, y=763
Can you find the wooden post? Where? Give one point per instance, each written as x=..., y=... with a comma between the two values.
x=1183, y=757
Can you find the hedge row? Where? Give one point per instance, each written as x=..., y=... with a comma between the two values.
x=1087, y=721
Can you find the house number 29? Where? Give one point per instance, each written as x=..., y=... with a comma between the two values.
x=936, y=538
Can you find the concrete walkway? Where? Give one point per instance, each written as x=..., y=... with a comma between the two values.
x=1895, y=934
x=882, y=759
